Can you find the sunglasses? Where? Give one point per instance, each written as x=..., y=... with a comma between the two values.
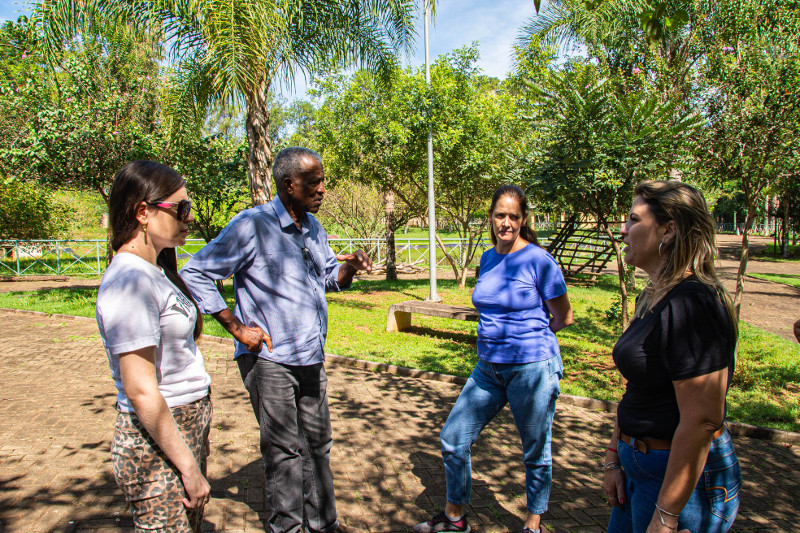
x=184, y=208
x=309, y=259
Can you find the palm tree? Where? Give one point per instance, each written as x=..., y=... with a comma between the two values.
x=623, y=35
x=238, y=51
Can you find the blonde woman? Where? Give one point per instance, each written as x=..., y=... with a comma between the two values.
x=670, y=463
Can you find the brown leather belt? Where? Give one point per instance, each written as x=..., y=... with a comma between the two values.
x=645, y=443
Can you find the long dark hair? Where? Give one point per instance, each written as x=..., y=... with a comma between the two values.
x=146, y=181
x=525, y=231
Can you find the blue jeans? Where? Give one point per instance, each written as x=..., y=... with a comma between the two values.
x=712, y=506
x=531, y=390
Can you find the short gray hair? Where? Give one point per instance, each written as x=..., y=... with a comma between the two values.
x=288, y=163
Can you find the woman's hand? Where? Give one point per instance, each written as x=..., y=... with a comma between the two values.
x=614, y=487
x=138, y=372
x=197, y=488
x=657, y=527
x=561, y=311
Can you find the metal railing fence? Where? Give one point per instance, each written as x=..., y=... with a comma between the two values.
x=87, y=257
x=738, y=228
x=52, y=257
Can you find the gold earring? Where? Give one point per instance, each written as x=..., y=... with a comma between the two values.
x=144, y=230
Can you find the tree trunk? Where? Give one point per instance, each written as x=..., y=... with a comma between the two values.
x=450, y=260
x=785, y=231
x=745, y=255
x=391, y=259
x=259, y=158
x=467, y=259
x=623, y=287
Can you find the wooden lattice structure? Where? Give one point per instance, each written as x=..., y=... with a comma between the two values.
x=581, y=248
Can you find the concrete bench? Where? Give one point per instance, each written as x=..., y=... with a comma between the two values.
x=399, y=318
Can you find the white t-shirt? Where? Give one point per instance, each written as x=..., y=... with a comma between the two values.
x=137, y=307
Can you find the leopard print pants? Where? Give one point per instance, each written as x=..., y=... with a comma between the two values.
x=150, y=482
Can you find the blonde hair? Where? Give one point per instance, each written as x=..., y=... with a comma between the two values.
x=694, y=247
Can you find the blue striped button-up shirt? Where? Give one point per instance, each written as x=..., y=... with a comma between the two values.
x=280, y=275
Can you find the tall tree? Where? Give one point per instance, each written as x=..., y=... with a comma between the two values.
x=92, y=112
x=239, y=50
x=23, y=88
x=214, y=168
x=748, y=94
x=372, y=131
x=598, y=140
x=377, y=131
x=474, y=127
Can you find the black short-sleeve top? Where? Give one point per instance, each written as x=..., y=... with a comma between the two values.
x=689, y=333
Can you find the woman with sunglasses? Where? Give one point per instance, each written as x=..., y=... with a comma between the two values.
x=670, y=463
x=149, y=324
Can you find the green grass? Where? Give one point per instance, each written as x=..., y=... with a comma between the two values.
x=773, y=253
x=766, y=385
x=792, y=280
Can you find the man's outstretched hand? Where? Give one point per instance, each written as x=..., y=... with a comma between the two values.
x=359, y=260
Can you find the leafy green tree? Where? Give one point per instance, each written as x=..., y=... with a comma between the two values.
x=376, y=131
x=21, y=92
x=239, y=50
x=214, y=169
x=747, y=93
x=372, y=131
x=599, y=141
x=733, y=62
x=474, y=127
x=96, y=110
x=628, y=38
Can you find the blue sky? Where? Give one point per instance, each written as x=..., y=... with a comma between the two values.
x=494, y=23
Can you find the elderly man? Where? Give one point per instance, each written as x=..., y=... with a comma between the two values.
x=281, y=263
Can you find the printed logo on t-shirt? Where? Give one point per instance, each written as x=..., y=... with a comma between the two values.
x=183, y=304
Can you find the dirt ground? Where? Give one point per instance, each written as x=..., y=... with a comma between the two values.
x=773, y=307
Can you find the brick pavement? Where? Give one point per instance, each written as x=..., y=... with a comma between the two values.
x=56, y=419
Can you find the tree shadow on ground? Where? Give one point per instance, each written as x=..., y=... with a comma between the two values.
x=386, y=465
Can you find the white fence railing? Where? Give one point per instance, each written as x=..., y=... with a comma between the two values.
x=43, y=257
x=757, y=229
x=87, y=257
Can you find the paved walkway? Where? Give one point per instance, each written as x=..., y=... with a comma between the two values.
x=56, y=419
x=773, y=307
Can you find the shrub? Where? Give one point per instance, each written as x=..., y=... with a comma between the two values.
x=29, y=211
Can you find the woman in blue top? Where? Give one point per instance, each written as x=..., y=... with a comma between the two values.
x=522, y=301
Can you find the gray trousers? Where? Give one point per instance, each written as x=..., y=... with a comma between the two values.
x=291, y=406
